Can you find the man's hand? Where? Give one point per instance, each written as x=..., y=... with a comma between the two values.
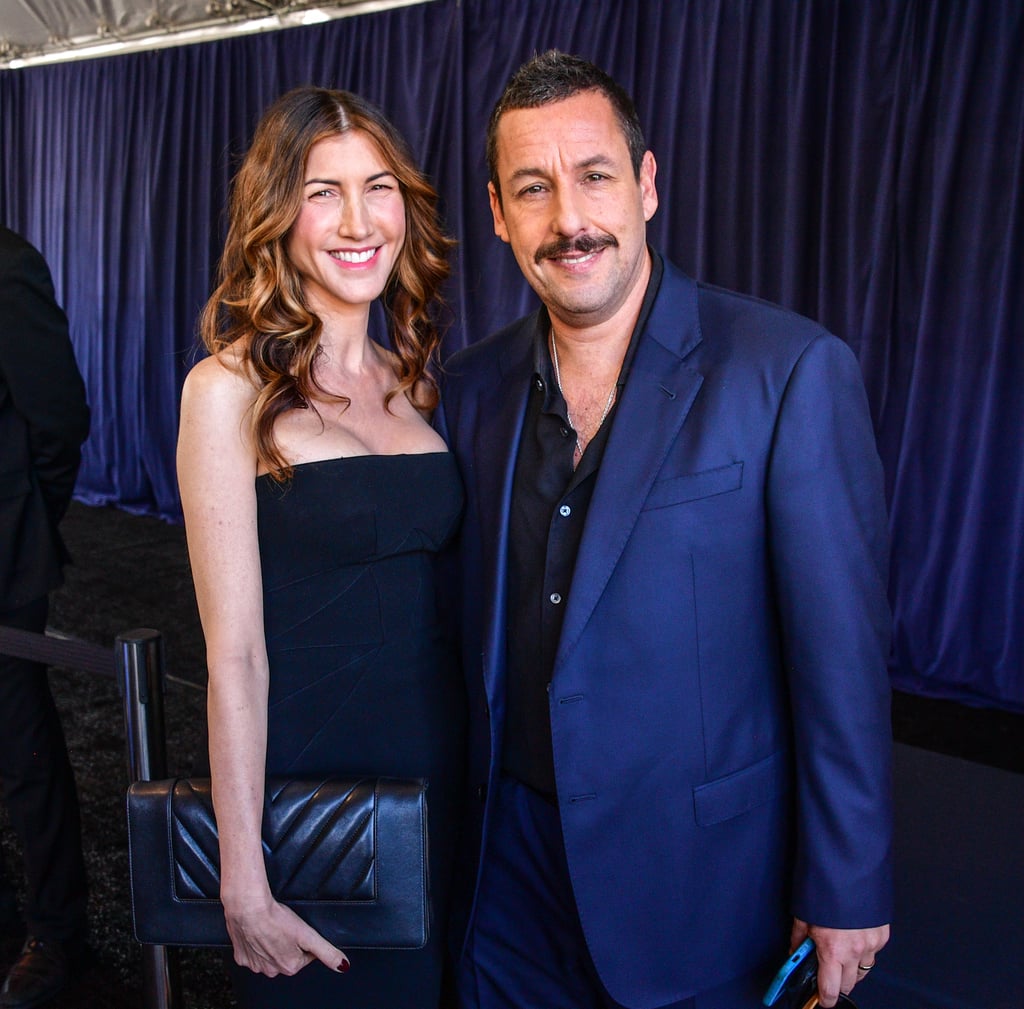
x=845, y=955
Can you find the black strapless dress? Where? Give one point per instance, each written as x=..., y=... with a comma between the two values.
x=361, y=681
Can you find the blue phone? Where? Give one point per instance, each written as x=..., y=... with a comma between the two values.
x=794, y=973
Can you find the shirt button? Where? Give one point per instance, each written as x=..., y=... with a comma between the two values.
x=555, y=598
x=565, y=511
x=540, y=384
x=565, y=431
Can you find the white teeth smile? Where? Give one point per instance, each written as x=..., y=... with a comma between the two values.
x=574, y=260
x=354, y=257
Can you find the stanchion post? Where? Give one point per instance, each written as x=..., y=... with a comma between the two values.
x=140, y=670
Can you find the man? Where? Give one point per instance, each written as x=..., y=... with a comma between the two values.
x=43, y=421
x=673, y=603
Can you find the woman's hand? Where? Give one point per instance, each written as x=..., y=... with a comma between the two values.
x=272, y=939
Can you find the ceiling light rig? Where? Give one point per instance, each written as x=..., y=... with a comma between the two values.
x=214, y=20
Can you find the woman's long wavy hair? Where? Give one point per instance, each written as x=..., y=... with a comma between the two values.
x=259, y=299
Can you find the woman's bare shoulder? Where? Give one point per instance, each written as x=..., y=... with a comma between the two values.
x=223, y=377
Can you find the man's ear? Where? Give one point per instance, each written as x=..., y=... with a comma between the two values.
x=499, y=215
x=648, y=191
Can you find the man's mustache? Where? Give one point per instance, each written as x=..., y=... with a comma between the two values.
x=581, y=245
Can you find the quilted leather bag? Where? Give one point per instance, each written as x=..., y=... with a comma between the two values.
x=348, y=855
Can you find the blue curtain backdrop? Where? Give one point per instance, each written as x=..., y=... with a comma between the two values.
x=860, y=163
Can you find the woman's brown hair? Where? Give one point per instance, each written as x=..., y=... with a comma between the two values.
x=258, y=298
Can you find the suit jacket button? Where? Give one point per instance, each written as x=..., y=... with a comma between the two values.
x=481, y=793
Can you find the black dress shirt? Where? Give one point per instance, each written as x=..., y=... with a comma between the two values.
x=549, y=509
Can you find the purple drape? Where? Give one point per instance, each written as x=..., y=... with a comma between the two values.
x=861, y=164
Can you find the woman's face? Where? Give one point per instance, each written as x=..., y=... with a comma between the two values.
x=351, y=224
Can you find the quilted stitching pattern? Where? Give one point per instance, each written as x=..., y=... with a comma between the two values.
x=298, y=812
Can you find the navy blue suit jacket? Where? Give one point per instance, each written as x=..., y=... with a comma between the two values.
x=719, y=705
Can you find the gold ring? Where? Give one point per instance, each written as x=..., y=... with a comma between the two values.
x=864, y=967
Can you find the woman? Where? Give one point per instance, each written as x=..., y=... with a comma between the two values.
x=315, y=494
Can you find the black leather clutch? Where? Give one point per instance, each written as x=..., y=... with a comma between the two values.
x=348, y=855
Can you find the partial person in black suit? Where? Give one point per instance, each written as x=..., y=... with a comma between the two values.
x=44, y=419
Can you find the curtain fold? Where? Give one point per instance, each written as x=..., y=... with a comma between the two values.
x=953, y=415
x=862, y=166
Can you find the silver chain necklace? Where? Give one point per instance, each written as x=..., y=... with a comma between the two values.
x=568, y=416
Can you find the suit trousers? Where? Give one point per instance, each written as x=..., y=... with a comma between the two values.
x=526, y=946
x=39, y=791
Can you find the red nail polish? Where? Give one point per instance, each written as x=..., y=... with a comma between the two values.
x=343, y=967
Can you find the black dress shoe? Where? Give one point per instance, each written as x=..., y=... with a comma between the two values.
x=40, y=974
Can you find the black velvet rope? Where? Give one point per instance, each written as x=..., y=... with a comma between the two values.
x=53, y=651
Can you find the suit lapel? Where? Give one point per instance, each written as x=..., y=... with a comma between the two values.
x=659, y=392
x=496, y=444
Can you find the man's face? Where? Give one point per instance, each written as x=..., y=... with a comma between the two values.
x=571, y=207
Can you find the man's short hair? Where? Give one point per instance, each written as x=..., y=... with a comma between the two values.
x=552, y=77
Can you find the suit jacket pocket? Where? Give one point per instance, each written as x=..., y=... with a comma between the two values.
x=741, y=791
x=692, y=486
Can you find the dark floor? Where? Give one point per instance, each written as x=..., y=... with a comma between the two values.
x=984, y=735
x=132, y=572
x=958, y=932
